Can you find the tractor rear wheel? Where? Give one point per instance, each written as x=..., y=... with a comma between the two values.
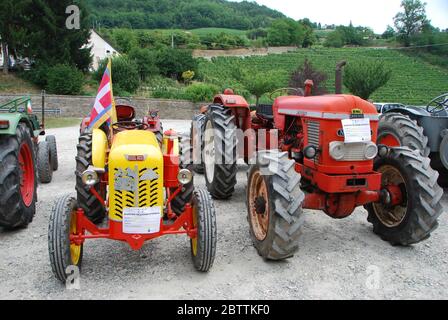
x=92, y=207
x=220, y=152
x=18, y=179
x=51, y=140
x=274, y=204
x=186, y=194
x=416, y=217
x=203, y=247
x=44, y=165
x=63, y=254
x=196, y=136
x=398, y=130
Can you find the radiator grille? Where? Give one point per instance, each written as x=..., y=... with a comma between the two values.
x=145, y=195
x=314, y=133
x=355, y=152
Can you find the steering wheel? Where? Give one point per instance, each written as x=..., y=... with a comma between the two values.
x=129, y=125
x=438, y=105
x=299, y=92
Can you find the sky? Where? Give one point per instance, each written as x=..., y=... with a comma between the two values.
x=376, y=14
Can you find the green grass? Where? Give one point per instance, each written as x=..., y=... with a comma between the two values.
x=413, y=81
x=206, y=31
x=12, y=84
x=53, y=123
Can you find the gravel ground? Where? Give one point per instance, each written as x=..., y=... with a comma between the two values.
x=337, y=258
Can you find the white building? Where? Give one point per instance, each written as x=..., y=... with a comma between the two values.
x=100, y=49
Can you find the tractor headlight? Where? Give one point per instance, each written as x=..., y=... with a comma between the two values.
x=90, y=177
x=185, y=176
x=310, y=152
x=371, y=151
x=337, y=151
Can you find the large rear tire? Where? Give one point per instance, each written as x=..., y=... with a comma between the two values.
x=18, y=179
x=203, y=247
x=416, y=217
x=398, y=130
x=220, y=152
x=62, y=224
x=274, y=204
x=92, y=207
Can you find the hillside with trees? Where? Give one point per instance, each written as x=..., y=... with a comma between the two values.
x=182, y=14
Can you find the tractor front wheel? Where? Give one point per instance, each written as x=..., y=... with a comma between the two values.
x=274, y=204
x=203, y=246
x=415, y=216
x=18, y=180
x=44, y=164
x=220, y=152
x=63, y=223
x=51, y=140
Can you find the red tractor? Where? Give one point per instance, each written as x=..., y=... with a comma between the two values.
x=316, y=153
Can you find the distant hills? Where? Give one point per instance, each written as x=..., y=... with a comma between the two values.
x=183, y=14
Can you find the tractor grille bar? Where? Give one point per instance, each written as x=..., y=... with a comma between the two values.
x=314, y=133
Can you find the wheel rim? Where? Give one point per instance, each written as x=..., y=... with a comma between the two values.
x=26, y=174
x=391, y=216
x=75, y=250
x=389, y=139
x=194, y=241
x=209, y=152
x=259, y=206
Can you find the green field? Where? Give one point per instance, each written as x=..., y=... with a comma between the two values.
x=206, y=31
x=413, y=80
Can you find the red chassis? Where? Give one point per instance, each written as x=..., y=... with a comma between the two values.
x=181, y=225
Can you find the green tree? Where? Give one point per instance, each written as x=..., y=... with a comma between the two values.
x=125, y=75
x=389, y=33
x=411, y=20
x=334, y=40
x=145, y=60
x=259, y=84
x=13, y=31
x=364, y=78
x=286, y=32
x=124, y=39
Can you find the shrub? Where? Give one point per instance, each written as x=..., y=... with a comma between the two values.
x=37, y=75
x=64, y=79
x=200, y=92
x=173, y=62
x=307, y=72
x=363, y=78
x=125, y=76
x=169, y=93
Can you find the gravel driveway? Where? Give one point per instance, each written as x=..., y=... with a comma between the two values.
x=338, y=259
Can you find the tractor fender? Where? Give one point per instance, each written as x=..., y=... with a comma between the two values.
x=99, y=148
x=413, y=112
x=444, y=151
x=231, y=101
x=14, y=120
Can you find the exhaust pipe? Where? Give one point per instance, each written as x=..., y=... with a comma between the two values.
x=338, y=82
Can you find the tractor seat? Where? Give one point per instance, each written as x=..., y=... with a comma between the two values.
x=265, y=111
x=125, y=112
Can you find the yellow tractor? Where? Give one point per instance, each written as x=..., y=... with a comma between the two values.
x=144, y=189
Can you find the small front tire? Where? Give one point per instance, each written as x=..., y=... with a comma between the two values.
x=203, y=247
x=44, y=166
x=63, y=254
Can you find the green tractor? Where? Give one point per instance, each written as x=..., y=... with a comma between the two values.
x=23, y=160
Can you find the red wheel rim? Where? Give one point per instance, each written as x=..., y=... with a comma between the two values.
x=26, y=174
x=389, y=140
